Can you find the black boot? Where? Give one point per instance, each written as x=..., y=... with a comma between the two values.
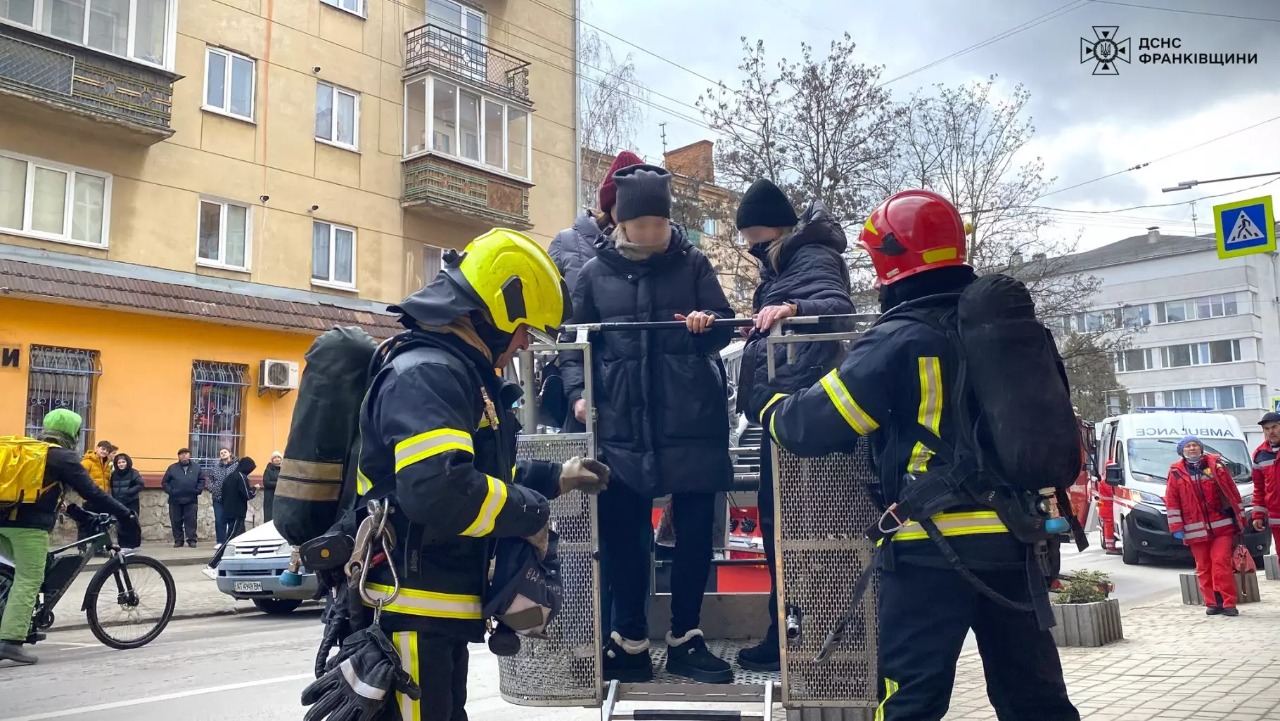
x=12, y=651
x=627, y=661
x=689, y=656
x=1213, y=611
x=762, y=657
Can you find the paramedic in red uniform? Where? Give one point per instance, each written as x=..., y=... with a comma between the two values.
x=1266, y=479
x=1204, y=504
x=1106, y=512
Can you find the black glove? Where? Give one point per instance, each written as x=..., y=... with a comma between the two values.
x=337, y=627
x=371, y=663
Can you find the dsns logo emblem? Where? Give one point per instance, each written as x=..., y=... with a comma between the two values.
x=1105, y=51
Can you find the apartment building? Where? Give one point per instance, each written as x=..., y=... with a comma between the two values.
x=1205, y=332
x=191, y=190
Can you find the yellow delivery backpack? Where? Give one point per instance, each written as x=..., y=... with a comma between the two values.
x=22, y=463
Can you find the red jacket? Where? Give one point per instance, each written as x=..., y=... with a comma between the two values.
x=1197, y=506
x=1266, y=483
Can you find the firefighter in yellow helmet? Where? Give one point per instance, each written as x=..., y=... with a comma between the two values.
x=438, y=437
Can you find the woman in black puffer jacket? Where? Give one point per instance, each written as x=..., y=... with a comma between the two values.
x=663, y=425
x=802, y=273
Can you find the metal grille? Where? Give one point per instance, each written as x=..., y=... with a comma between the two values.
x=823, y=508
x=217, y=403
x=36, y=67
x=431, y=47
x=62, y=378
x=564, y=668
x=433, y=180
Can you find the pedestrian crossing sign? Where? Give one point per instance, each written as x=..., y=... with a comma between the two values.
x=1245, y=227
x=1275, y=403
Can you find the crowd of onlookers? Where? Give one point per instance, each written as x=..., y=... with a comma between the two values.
x=227, y=481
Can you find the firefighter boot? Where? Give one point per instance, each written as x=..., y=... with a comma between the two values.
x=688, y=656
x=765, y=656
x=627, y=661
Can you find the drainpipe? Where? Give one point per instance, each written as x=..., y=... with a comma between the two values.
x=577, y=99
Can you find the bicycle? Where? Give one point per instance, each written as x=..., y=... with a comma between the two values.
x=129, y=572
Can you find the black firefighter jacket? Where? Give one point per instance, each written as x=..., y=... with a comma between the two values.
x=439, y=435
x=660, y=395
x=897, y=373
x=811, y=274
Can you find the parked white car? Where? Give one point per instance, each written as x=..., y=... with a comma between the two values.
x=250, y=570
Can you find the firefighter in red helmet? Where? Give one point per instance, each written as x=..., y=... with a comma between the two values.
x=897, y=381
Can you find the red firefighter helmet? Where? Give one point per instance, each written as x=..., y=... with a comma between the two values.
x=913, y=231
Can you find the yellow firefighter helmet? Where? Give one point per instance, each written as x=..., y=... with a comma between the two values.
x=517, y=281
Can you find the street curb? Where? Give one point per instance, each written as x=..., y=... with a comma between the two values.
x=179, y=615
x=170, y=563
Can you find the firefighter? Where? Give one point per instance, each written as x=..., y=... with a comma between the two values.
x=438, y=436
x=1266, y=479
x=894, y=381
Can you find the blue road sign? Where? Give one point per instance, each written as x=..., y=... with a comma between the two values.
x=1245, y=227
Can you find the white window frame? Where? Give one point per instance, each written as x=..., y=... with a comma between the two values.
x=170, y=32
x=355, y=247
x=334, y=91
x=465, y=11
x=69, y=202
x=221, y=263
x=439, y=253
x=360, y=12
x=428, y=145
x=253, y=85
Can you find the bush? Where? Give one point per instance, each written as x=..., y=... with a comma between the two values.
x=1084, y=587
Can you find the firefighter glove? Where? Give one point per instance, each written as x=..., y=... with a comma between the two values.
x=539, y=541
x=359, y=680
x=585, y=474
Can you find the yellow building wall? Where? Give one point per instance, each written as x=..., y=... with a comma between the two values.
x=142, y=401
x=156, y=189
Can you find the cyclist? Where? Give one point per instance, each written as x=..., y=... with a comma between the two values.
x=25, y=528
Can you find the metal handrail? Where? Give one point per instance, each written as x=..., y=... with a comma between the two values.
x=434, y=47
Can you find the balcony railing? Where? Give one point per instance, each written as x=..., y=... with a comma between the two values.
x=450, y=188
x=105, y=88
x=438, y=49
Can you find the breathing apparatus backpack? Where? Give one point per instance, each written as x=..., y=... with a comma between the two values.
x=1016, y=447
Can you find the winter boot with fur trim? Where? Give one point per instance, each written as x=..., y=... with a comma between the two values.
x=627, y=661
x=689, y=656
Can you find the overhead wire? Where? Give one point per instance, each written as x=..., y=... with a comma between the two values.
x=1204, y=13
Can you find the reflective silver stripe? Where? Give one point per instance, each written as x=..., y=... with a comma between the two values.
x=1198, y=525
x=1274, y=522
x=1175, y=516
x=1223, y=523
x=358, y=685
x=1265, y=464
x=1195, y=534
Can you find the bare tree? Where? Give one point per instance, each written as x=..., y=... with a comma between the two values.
x=611, y=108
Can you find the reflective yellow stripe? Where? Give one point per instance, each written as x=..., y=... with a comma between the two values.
x=776, y=397
x=890, y=688
x=494, y=500
x=930, y=412
x=406, y=643
x=363, y=484
x=963, y=523
x=858, y=420
x=513, y=473
x=412, y=602
x=773, y=433
x=484, y=421
x=432, y=443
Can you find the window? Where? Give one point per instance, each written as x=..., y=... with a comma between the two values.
x=432, y=262
x=464, y=124
x=337, y=116
x=333, y=255
x=224, y=234
x=1194, y=354
x=1142, y=400
x=135, y=29
x=456, y=17
x=1135, y=316
x=709, y=226
x=1136, y=359
x=217, y=402
x=1220, y=398
x=1095, y=321
x=229, y=81
x=53, y=201
x=62, y=378
x=355, y=7
x=1211, y=306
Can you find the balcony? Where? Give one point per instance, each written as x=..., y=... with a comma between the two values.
x=444, y=188
x=43, y=78
x=434, y=49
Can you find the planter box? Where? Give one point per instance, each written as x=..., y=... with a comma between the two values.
x=1087, y=625
x=1246, y=589
x=1272, y=566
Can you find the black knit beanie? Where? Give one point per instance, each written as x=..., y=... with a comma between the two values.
x=642, y=190
x=765, y=205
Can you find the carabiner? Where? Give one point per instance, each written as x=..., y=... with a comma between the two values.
x=889, y=512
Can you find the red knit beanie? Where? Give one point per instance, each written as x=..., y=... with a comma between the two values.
x=608, y=194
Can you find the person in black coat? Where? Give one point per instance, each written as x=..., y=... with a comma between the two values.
x=270, y=477
x=802, y=273
x=184, y=482
x=662, y=419
x=126, y=487
x=236, y=493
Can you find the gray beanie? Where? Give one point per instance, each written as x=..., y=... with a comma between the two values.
x=642, y=190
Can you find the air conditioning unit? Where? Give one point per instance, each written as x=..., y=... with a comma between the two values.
x=278, y=375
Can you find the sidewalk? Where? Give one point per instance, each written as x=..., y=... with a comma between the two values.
x=170, y=556
x=1175, y=663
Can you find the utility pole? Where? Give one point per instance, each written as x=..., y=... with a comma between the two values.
x=663, y=125
x=1195, y=230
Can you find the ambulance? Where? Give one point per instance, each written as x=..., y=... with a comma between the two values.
x=1136, y=450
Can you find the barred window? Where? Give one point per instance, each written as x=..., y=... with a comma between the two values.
x=217, y=409
x=62, y=378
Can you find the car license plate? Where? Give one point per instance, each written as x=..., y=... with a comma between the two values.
x=247, y=586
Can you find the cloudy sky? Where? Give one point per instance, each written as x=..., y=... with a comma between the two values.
x=1087, y=126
